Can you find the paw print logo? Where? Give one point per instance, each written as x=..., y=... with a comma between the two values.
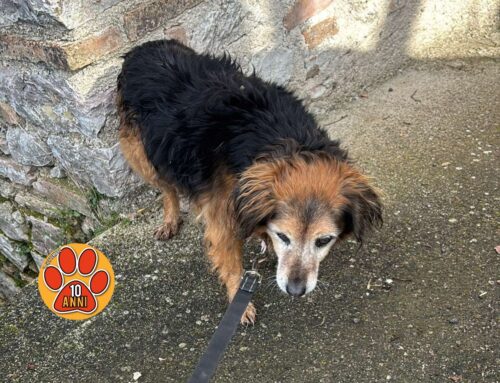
x=76, y=281
x=76, y=296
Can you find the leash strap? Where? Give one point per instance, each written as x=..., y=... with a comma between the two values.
x=227, y=327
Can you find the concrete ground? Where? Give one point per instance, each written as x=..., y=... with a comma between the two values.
x=430, y=138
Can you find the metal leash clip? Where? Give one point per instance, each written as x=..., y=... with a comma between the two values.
x=250, y=280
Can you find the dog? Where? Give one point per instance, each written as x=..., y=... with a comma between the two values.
x=247, y=154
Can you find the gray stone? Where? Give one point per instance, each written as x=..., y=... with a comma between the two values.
x=15, y=172
x=8, y=115
x=26, y=278
x=28, y=149
x=14, y=252
x=38, y=258
x=8, y=287
x=12, y=222
x=69, y=13
x=89, y=225
x=220, y=26
x=51, y=100
x=18, y=217
x=317, y=91
x=11, y=11
x=57, y=172
x=274, y=65
x=150, y=16
x=34, y=203
x=4, y=148
x=62, y=196
x=45, y=237
x=9, y=268
x=103, y=168
x=7, y=189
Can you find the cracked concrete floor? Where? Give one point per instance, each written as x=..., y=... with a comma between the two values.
x=430, y=138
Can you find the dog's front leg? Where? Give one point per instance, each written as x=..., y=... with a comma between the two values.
x=225, y=253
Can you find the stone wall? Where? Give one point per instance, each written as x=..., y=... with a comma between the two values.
x=62, y=177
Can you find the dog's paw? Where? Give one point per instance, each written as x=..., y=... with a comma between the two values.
x=167, y=230
x=249, y=315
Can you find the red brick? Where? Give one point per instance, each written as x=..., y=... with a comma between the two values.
x=72, y=55
x=303, y=10
x=150, y=16
x=85, y=52
x=317, y=33
x=18, y=48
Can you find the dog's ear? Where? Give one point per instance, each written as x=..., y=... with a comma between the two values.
x=362, y=210
x=255, y=202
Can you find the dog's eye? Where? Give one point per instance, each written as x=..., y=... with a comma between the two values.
x=284, y=238
x=323, y=241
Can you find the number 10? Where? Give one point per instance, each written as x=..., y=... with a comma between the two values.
x=76, y=290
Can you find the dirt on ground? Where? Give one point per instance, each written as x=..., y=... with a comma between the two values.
x=417, y=303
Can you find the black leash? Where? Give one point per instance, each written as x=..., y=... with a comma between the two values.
x=227, y=327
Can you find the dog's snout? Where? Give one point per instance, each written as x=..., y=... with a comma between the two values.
x=296, y=287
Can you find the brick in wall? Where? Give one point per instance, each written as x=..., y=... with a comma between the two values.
x=303, y=10
x=317, y=33
x=93, y=48
x=62, y=55
x=150, y=16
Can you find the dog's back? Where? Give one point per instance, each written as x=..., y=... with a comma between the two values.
x=197, y=113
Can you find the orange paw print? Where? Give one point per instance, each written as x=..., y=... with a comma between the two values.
x=76, y=280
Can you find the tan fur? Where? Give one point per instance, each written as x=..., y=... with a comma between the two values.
x=267, y=187
x=224, y=248
x=323, y=179
x=133, y=150
x=283, y=180
x=290, y=222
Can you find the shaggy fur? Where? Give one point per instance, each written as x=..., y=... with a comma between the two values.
x=236, y=145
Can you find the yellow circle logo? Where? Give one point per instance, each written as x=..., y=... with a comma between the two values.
x=76, y=281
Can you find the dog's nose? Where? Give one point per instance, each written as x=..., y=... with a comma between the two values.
x=296, y=288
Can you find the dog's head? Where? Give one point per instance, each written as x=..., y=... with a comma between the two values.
x=305, y=204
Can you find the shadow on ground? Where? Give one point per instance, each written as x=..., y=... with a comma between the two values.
x=430, y=137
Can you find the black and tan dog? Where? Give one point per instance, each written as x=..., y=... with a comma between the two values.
x=249, y=156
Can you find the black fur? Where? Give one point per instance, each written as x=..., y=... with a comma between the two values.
x=363, y=212
x=198, y=113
